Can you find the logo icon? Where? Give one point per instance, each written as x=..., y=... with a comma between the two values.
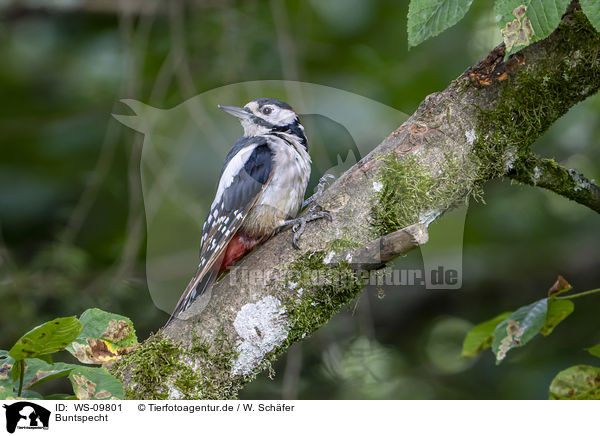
x=26, y=415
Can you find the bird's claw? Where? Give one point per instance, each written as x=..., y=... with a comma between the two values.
x=314, y=213
x=323, y=182
x=299, y=224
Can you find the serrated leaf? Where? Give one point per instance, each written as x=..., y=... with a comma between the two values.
x=47, y=338
x=105, y=336
x=543, y=16
x=591, y=8
x=519, y=328
x=581, y=382
x=595, y=350
x=39, y=371
x=481, y=336
x=558, y=310
x=428, y=18
x=91, y=383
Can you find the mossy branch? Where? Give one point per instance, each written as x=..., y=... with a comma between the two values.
x=547, y=173
x=382, y=250
x=475, y=130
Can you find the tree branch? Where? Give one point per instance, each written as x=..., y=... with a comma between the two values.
x=457, y=139
x=546, y=173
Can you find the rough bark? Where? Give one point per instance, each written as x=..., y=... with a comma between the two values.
x=546, y=173
x=475, y=130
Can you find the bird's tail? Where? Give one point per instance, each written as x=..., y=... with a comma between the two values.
x=193, y=290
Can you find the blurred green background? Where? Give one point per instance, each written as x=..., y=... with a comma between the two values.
x=72, y=225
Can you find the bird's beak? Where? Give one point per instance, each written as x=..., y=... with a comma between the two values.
x=236, y=111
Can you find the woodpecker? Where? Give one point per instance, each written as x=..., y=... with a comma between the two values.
x=261, y=189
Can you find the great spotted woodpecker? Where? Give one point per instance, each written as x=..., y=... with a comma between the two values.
x=261, y=189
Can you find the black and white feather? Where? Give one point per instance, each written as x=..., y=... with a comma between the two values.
x=262, y=184
x=245, y=174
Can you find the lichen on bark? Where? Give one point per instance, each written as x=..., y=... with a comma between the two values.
x=477, y=129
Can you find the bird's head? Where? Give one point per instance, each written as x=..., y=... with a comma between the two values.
x=267, y=115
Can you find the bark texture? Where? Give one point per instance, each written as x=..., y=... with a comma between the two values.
x=477, y=129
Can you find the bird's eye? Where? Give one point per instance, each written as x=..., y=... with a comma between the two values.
x=267, y=110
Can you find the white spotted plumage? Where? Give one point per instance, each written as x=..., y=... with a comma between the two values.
x=262, y=184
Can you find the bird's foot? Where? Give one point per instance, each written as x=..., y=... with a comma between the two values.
x=323, y=183
x=299, y=224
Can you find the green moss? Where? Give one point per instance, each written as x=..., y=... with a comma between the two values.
x=323, y=289
x=547, y=173
x=159, y=366
x=410, y=191
x=340, y=244
x=532, y=98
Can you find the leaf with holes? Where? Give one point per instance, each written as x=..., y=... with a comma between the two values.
x=558, y=310
x=47, y=338
x=90, y=383
x=105, y=337
x=428, y=18
x=525, y=21
x=581, y=382
x=481, y=336
x=519, y=328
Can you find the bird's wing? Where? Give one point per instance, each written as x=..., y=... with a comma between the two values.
x=246, y=173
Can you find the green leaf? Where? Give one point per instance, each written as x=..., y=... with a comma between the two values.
x=540, y=16
x=39, y=371
x=427, y=18
x=90, y=383
x=595, y=350
x=7, y=389
x=60, y=397
x=17, y=368
x=46, y=358
x=519, y=328
x=581, y=382
x=31, y=394
x=591, y=8
x=105, y=336
x=7, y=385
x=47, y=338
x=481, y=336
x=558, y=310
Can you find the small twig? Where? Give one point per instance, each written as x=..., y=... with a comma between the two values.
x=580, y=294
x=21, y=378
x=377, y=253
x=546, y=173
